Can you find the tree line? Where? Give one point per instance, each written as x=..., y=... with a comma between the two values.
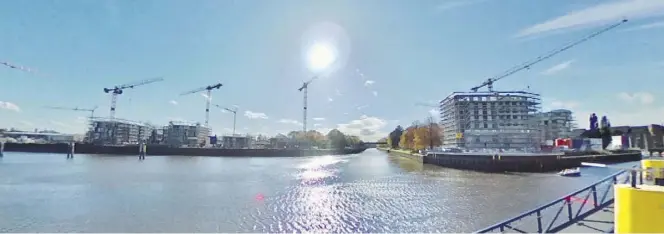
x=416, y=137
x=334, y=139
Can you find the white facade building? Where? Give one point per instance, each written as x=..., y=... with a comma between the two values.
x=490, y=120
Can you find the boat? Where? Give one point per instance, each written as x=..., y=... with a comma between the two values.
x=571, y=172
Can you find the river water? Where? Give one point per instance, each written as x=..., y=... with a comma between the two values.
x=368, y=192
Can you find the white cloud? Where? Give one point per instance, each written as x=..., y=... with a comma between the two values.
x=558, y=68
x=368, y=128
x=659, y=24
x=255, y=115
x=369, y=82
x=375, y=93
x=337, y=92
x=605, y=13
x=319, y=119
x=434, y=112
x=552, y=104
x=9, y=106
x=173, y=102
x=329, y=99
x=290, y=121
x=362, y=107
x=316, y=125
x=642, y=97
x=451, y=4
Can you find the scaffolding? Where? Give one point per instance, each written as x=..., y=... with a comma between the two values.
x=491, y=120
x=555, y=124
x=107, y=131
x=181, y=133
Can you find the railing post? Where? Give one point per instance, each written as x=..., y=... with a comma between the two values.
x=633, y=174
x=569, y=209
x=594, y=189
x=539, y=221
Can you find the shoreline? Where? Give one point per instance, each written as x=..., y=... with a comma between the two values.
x=403, y=153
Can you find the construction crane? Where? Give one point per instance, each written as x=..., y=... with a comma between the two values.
x=117, y=90
x=489, y=82
x=92, y=114
x=304, y=88
x=234, y=111
x=208, y=98
x=92, y=110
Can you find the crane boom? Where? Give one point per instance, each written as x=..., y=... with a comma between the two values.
x=209, y=87
x=489, y=82
x=139, y=83
x=91, y=110
x=117, y=90
x=234, y=111
x=208, y=98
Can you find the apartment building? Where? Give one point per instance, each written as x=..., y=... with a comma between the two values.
x=181, y=134
x=555, y=124
x=490, y=120
x=118, y=131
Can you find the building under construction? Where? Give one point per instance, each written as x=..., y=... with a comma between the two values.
x=490, y=120
x=555, y=124
x=115, y=131
x=179, y=134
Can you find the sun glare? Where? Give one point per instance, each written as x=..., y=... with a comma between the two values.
x=320, y=56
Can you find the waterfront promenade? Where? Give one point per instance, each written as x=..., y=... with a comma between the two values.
x=368, y=192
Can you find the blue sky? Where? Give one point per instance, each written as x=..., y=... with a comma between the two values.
x=392, y=55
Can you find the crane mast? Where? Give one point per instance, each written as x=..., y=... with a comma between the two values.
x=489, y=82
x=234, y=111
x=91, y=110
x=208, y=98
x=303, y=89
x=117, y=90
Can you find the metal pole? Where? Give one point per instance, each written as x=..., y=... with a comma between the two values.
x=207, y=107
x=234, y=118
x=114, y=99
x=304, y=118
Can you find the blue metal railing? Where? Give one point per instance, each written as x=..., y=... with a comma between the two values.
x=574, y=203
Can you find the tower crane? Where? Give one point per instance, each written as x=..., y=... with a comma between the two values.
x=18, y=67
x=91, y=110
x=234, y=111
x=117, y=90
x=489, y=82
x=304, y=88
x=208, y=89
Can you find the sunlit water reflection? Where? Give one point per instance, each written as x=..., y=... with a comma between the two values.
x=370, y=192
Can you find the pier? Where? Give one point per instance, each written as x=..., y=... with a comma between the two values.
x=588, y=210
x=525, y=162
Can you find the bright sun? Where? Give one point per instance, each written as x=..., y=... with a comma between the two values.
x=320, y=56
